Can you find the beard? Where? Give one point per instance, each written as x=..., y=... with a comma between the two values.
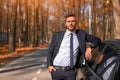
x=71, y=27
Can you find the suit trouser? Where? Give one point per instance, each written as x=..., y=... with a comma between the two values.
x=63, y=75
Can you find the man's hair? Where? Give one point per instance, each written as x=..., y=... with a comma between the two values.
x=70, y=15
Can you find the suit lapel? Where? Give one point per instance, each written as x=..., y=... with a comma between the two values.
x=60, y=38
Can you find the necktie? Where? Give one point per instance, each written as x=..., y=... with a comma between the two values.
x=71, y=50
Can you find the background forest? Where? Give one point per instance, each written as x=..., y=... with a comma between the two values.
x=28, y=23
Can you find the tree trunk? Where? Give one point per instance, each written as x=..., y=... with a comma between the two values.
x=12, y=33
x=0, y=14
x=11, y=28
x=116, y=13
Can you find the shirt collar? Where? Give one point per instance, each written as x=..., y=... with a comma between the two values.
x=68, y=32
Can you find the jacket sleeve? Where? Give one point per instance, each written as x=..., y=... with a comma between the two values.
x=94, y=41
x=51, y=51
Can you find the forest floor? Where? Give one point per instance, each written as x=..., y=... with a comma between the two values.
x=6, y=57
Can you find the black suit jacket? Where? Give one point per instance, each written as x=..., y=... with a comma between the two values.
x=82, y=36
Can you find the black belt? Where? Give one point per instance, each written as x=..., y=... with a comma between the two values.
x=64, y=68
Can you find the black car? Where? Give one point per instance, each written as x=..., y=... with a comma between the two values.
x=105, y=63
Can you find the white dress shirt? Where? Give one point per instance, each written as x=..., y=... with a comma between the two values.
x=63, y=56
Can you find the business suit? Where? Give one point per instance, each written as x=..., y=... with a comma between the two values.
x=66, y=48
x=82, y=36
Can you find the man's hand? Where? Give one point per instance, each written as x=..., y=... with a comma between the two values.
x=51, y=68
x=99, y=58
x=88, y=55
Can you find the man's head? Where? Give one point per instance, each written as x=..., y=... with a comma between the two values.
x=70, y=22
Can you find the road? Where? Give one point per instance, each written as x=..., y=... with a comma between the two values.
x=30, y=67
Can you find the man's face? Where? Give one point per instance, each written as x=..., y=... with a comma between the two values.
x=70, y=23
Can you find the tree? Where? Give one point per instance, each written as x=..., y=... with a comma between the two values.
x=116, y=12
x=0, y=14
x=12, y=26
x=35, y=21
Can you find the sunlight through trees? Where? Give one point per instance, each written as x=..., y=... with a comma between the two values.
x=33, y=22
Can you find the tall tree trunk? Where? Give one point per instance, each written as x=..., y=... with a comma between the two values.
x=0, y=14
x=12, y=33
x=35, y=41
x=10, y=27
x=116, y=13
x=19, y=23
x=26, y=28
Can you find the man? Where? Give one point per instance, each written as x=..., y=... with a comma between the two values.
x=66, y=48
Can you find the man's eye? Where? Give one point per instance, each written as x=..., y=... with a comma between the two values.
x=68, y=21
x=71, y=21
